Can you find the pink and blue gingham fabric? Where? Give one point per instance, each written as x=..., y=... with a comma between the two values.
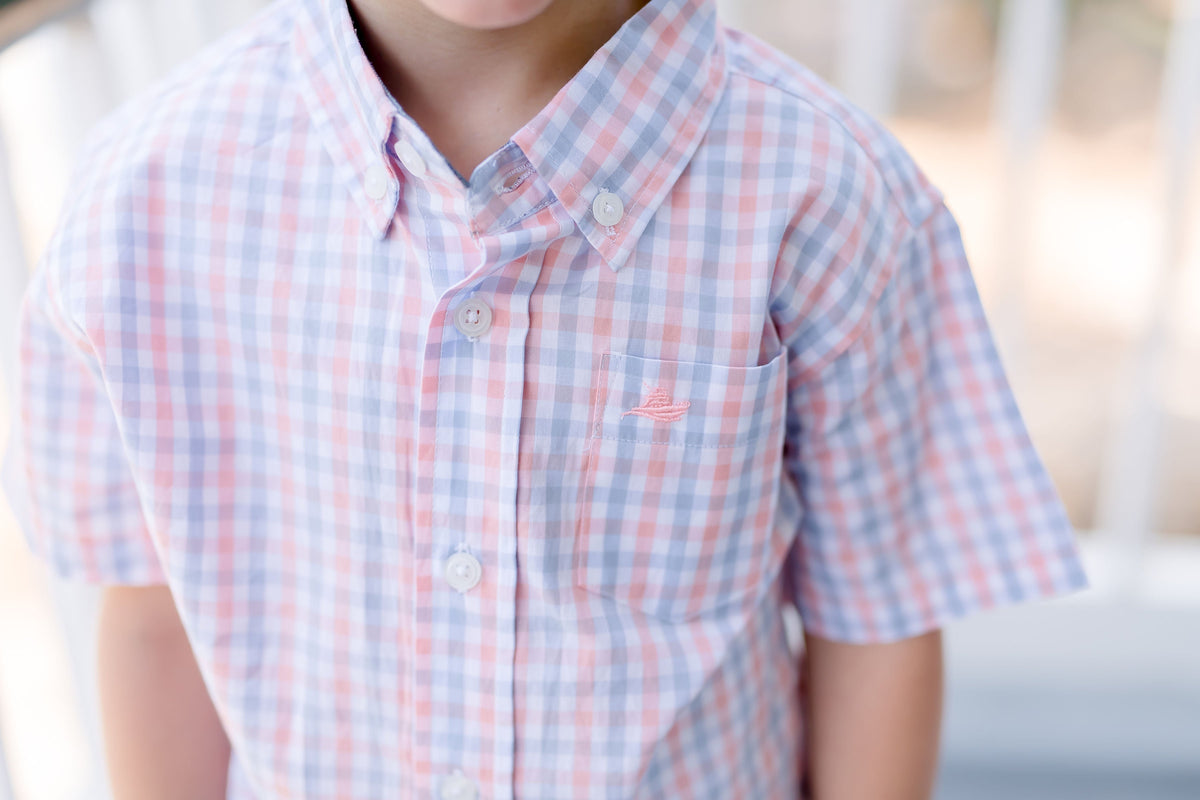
x=768, y=382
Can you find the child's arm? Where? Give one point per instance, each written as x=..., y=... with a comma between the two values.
x=162, y=736
x=874, y=717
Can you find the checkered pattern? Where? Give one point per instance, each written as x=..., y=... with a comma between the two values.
x=700, y=476
x=240, y=375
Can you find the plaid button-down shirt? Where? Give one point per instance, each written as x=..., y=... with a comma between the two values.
x=500, y=490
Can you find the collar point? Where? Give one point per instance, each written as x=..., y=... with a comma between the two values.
x=382, y=212
x=615, y=257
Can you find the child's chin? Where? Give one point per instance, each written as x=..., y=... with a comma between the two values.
x=487, y=14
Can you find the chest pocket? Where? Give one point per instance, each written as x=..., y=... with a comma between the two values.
x=681, y=483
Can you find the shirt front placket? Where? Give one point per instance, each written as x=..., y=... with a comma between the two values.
x=465, y=466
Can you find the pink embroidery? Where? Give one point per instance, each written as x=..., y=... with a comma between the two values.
x=658, y=406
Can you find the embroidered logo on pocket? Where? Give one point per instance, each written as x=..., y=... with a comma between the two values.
x=658, y=406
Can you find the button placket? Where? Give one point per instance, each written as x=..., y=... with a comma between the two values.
x=459, y=441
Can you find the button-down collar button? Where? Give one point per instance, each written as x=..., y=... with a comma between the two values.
x=409, y=157
x=608, y=209
x=462, y=571
x=457, y=787
x=473, y=318
x=376, y=182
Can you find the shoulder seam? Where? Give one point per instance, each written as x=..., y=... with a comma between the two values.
x=840, y=123
x=859, y=329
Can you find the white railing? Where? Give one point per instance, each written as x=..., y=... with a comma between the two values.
x=117, y=47
x=1031, y=41
x=1128, y=486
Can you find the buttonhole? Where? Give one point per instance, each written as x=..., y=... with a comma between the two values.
x=514, y=179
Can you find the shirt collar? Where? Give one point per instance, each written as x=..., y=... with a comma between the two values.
x=630, y=120
x=627, y=123
x=351, y=109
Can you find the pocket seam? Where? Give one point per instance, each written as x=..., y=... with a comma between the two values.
x=579, y=544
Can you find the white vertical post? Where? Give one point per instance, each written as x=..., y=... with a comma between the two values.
x=126, y=37
x=14, y=273
x=1128, y=488
x=870, y=35
x=1180, y=116
x=84, y=77
x=1031, y=39
x=6, y=791
x=85, y=91
x=77, y=605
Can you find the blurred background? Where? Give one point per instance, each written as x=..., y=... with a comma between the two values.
x=1064, y=136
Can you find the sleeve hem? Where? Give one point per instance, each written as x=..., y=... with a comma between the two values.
x=1074, y=582
x=75, y=574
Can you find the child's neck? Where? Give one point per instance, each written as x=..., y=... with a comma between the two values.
x=470, y=90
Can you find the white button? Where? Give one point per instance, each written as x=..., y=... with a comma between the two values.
x=458, y=787
x=462, y=571
x=377, y=182
x=409, y=157
x=607, y=208
x=473, y=318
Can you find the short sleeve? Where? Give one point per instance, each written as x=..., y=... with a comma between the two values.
x=65, y=471
x=921, y=497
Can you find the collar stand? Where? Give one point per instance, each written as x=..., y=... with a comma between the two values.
x=626, y=124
